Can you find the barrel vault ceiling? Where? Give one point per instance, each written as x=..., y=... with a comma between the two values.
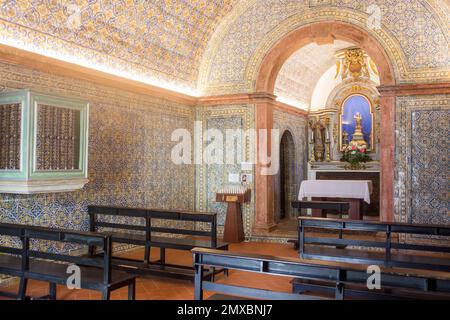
x=159, y=39
x=189, y=46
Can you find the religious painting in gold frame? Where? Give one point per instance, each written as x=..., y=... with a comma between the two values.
x=357, y=121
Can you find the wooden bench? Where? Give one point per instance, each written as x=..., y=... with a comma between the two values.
x=207, y=258
x=388, y=253
x=342, y=279
x=30, y=262
x=325, y=207
x=427, y=261
x=166, y=237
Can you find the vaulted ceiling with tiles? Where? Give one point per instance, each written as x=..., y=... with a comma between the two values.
x=164, y=39
x=205, y=47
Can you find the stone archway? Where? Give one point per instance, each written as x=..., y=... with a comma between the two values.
x=322, y=33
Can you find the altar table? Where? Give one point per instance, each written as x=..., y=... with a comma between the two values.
x=353, y=191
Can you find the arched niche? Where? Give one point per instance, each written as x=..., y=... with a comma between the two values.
x=285, y=188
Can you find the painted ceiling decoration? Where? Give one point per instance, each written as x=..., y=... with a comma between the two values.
x=204, y=47
x=161, y=41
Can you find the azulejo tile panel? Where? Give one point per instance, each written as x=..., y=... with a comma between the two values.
x=210, y=177
x=422, y=177
x=129, y=154
x=429, y=167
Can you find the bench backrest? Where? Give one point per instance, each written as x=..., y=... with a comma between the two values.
x=326, y=205
x=29, y=234
x=383, y=241
x=341, y=274
x=150, y=214
x=206, y=258
x=339, y=207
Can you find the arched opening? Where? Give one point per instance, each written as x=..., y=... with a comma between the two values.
x=323, y=33
x=287, y=177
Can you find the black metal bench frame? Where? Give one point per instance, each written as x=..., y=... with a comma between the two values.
x=338, y=206
x=207, y=258
x=343, y=277
x=147, y=240
x=387, y=258
x=46, y=266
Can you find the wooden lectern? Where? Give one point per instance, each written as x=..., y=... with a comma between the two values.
x=234, y=227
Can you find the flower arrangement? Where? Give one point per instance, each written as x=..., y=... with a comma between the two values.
x=355, y=154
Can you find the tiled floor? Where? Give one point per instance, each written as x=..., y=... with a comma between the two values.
x=157, y=288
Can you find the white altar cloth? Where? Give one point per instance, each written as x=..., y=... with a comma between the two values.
x=353, y=189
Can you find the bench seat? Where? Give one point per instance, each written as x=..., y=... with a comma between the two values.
x=360, y=291
x=368, y=257
x=185, y=243
x=317, y=276
x=31, y=262
x=150, y=234
x=91, y=278
x=10, y=265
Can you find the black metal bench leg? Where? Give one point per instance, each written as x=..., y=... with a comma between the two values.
x=23, y=289
x=52, y=291
x=132, y=290
x=198, y=282
x=162, y=256
x=106, y=294
x=147, y=254
x=213, y=274
x=341, y=236
x=91, y=250
x=339, y=291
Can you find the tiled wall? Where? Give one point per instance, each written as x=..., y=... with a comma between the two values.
x=129, y=154
x=422, y=175
x=211, y=177
x=130, y=147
